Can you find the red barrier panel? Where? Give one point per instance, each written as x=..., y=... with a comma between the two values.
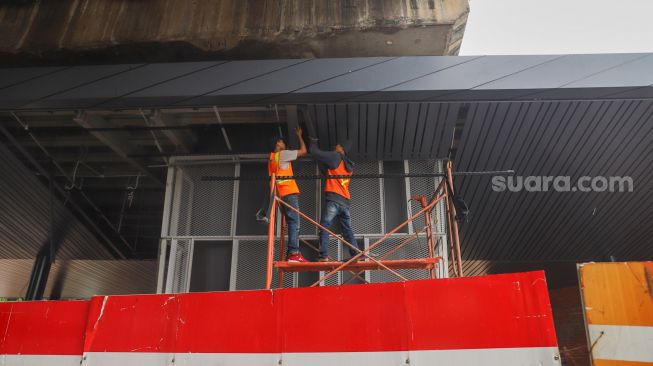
x=43, y=327
x=140, y=323
x=500, y=319
x=497, y=311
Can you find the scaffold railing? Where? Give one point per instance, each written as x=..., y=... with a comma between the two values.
x=363, y=261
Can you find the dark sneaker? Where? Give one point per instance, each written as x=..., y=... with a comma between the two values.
x=296, y=257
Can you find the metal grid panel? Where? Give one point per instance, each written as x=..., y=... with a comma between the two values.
x=310, y=196
x=414, y=250
x=182, y=204
x=204, y=208
x=440, y=231
x=424, y=186
x=250, y=271
x=365, y=203
x=208, y=209
x=335, y=252
x=251, y=267
x=180, y=275
x=251, y=194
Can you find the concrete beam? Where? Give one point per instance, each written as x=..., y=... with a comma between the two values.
x=228, y=29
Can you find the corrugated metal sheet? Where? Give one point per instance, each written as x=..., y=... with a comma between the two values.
x=81, y=278
x=618, y=309
x=597, y=138
x=388, y=130
x=25, y=217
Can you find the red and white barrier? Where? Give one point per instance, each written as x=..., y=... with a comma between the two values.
x=42, y=332
x=490, y=320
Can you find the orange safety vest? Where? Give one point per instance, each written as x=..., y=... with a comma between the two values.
x=338, y=185
x=285, y=187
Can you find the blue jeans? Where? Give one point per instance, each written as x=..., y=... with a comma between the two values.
x=330, y=212
x=292, y=221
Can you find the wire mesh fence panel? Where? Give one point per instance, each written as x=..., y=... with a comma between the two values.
x=203, y=207
x=310, y=195
x=352, y=277
x=335, y=252
x=164, y=264
x=422, y=186
x=251, y=265
x=180, y=210
x=180, y=274
x=304, y=279
x=418, y=248
x=440, y=230
x=252, y=196
x=209, y=208
x=365, y=206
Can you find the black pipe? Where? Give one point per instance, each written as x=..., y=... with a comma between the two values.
x=39, y=276
x=355, y=176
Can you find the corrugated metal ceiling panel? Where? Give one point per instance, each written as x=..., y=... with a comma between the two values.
x=388, y=130
x=81, y=278
x=25, y=217
x=600, y=138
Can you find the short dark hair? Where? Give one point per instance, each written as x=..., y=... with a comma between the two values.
x=273, y=141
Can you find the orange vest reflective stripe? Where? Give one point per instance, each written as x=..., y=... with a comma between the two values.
x=285, y=187
x=338, y=185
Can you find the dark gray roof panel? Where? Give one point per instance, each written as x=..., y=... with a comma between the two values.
x=13, y=76
x=403, y=79
x=107, y=91
x=473, y=74
x=384, y=75
x=204, y=81
x=373, y=83
x=33, y=90
x=297, y=77
x=631, y=74
x=562, y=71
x=198, y=92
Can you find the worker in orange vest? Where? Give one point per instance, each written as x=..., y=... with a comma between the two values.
x=336, y=193
x=280, y=164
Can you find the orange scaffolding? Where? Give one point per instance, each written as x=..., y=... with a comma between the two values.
x=363, y=261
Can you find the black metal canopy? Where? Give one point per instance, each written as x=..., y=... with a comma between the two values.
x=570, y=115
x=376, y=79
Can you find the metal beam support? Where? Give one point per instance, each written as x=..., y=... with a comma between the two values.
x=183, y=139
x=118, y=141
x=224, y=132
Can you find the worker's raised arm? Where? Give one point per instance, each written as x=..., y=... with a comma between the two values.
x=329, y=158
x=302, y=146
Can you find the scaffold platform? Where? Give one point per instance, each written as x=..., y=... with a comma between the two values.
x=420, y=263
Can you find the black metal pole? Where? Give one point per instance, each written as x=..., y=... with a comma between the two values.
x=38, y=279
